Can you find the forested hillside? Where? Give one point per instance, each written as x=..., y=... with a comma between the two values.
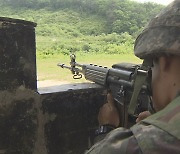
x=108, y=26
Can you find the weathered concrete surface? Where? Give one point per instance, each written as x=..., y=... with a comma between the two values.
x=18, y=98
x=73, y=119
x=18, y=120
x=54, y=123
x=55, y=120
x=17, y=54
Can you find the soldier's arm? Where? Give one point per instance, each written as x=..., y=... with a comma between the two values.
x=116, y=140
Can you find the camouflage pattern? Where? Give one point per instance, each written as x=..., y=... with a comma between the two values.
x=157, y=134
x=120, y=140
x=160, y=133
x=161, y=35
x=167, y=119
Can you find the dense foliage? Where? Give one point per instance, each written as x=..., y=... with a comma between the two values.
x=65, y=26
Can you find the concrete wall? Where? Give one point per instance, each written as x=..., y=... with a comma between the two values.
x=52, y=120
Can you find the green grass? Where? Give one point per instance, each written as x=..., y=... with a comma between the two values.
x=47, y=68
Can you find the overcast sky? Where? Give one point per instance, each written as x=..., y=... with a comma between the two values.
x=164, y=2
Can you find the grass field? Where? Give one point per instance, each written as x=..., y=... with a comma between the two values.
x=47, y=68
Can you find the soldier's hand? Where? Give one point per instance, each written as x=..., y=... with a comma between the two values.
x=142, y=116
x=108, y=113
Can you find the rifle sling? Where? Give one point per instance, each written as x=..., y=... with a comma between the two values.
x=139, y=81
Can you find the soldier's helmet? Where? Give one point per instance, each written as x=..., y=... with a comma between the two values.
x=161, y=35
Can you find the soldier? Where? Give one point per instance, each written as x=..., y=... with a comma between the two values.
x=160, y=132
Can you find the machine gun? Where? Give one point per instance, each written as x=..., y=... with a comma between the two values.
x=127, y=82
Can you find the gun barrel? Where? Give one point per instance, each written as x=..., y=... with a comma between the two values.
x=102, y=75
x=95, y=73
x=64, y=66
x=61, y=65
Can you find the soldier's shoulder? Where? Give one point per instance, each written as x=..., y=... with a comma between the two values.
x=155, y=140
x=160, y=133
x=167, y=119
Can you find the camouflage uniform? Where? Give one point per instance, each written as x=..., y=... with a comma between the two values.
x=159, y=133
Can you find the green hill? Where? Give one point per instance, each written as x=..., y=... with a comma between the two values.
x=64, y=26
